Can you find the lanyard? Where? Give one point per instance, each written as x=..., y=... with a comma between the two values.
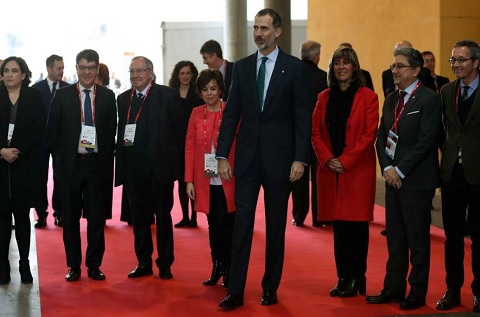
x=397, y=117
x=141, y=106
x=205, y=126
x=93, y=103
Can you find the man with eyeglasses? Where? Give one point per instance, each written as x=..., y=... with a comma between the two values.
x=429, y=63
x=407, y=153
x=147, y=153
x=460, y=171
x=81, y=128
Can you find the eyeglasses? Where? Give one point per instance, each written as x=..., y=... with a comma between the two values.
x=460, y=60
x=138, y=72
x=84, y=68
x=398, y=66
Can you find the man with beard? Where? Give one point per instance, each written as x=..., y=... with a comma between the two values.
x=268, y=106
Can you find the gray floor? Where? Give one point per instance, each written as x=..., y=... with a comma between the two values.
x=17, y=299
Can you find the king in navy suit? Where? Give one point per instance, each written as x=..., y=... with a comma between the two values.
x=273, y=121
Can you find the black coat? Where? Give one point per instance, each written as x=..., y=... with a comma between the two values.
x=25, y=173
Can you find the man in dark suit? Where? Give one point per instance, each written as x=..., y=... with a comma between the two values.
x=388, y=84
x=316, y=83
x=212, y=56
x=406, y=145
x=147, y=155
x=47, y=87
x=273, y=118
x=81, y=127
x=461, y=172
x=429, y=63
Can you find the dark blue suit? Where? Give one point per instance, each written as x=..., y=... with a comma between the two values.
x=46, y=150
x=267, y=144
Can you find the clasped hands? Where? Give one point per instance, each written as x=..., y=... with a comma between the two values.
x=335, y=166
x=10, y=154
x=392, y=178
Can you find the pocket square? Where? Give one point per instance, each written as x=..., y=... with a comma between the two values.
x=413, y=112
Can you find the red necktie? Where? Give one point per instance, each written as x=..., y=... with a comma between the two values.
x=401, y=103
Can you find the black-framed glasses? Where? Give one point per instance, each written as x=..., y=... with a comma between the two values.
x=398, y=66
x=138, y=72
x=84, y=68
x=460, y=60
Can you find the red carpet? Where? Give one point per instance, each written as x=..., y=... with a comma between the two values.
x=309, y=273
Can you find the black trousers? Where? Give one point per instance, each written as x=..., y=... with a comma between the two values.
x=147, y=196
x=56, y=196
x=83, y=190
x=301, y=193
x=22, y=232
x=408, y=219
x=276, y=194
x=461, y=214
x=220, y=226
x=350, y=241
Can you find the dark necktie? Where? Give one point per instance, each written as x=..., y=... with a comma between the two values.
x=87, y=112
x=465, y=93
x=261, y=82
x=54, y=88
x=140, y=95
x=401, y=102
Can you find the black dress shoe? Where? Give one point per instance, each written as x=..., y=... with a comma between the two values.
x=384, y=297
x=476, y=304
x=166, y=273
x=25, y=272
x=412, y=301
x=41, y=222
x=268, y=298
x=354, y=286
x=383, y=232
x=193, y=224
x=451, y=299
x=95, y=273
x=341, y=284
x=58, y=221
x=73, y=275
x=183, y=223
x=297, y=223
x=231, y=301
x=140, y=271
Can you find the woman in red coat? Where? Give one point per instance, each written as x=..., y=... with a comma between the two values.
x=345, y=122
x=211, y=195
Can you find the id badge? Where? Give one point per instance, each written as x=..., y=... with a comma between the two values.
x=87, y=139
x=129, y=135
x=11, y=127
x=391, y=144
x=211, y=165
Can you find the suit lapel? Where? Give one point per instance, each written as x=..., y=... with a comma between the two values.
x=475, y=107
x=276, y=78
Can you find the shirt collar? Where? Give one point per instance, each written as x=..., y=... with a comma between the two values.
x=272, y=56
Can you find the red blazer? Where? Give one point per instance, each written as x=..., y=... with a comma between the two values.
x=195, y=157
x=351, y=195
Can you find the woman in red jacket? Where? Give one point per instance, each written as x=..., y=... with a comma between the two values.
x=345, y=122
x=211, y=195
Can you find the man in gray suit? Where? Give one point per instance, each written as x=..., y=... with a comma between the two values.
x=460, y=172
x=407, y=145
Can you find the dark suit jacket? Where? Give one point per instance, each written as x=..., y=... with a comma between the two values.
x=389, y=87
x=442, y=81
x=227, y=80
x=368, y=79
x=316, y=82
x=29, y=130
x=466, y=136
x=418, y=130
x=46, y=93
x=165, y=135
x=64, y=128
x=283, y=129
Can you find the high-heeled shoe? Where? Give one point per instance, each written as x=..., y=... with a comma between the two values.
x=217, y=273
x=25, y=273
x=341, y=284
x=354, y=286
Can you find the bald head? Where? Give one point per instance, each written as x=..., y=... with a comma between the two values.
x=402, y=44
x=311, y=51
